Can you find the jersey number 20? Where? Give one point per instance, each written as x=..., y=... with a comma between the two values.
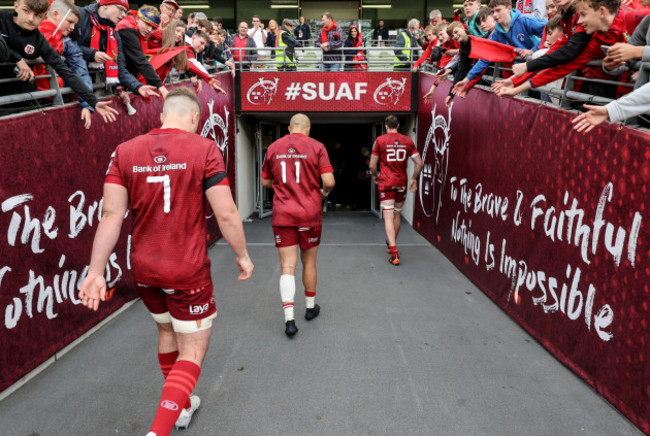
x=395, y=155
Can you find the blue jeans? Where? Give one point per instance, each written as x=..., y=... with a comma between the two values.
x=331, y=67
x=76, y=62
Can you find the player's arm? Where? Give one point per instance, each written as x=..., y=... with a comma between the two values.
x=328, y=183
x=267, y=183
x=417, y=160
x=374, y=160
x=116, y=201
x=225, y=211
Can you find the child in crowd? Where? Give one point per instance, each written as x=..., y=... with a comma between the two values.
x=520, y=31
x=471, y=8
x=431, y=42
x=445, y=49
x=26, y=42
x=62, y=17
x=602, y=22
x=134, y=31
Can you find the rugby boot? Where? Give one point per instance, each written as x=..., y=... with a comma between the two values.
x=185, y=417
x=387, y=247
x=312, y=313
x=394, y=259
x=291, y=328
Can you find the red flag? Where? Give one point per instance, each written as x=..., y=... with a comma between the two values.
x=491, y=50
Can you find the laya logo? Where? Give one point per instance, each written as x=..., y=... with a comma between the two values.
x=29, y=49
x=159, y=159
x=169, y=405
x=263, y=91
x=199, y=310
x=390, y=91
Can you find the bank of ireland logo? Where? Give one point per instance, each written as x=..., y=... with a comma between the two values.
x=263, y=91
x=435, y=157
x=390, y=91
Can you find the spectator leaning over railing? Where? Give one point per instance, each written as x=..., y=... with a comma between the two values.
x=355, y=55
x=601, y=20
x=523, y=32
x=486, y=21
x=406, y=46
x=331, y=41
x=429, y=37
x=101, y=44
x=631, y=105
x=220, y=52
x=62, y=17
x=446, y=47
x=134, y=31
x=243, y=58
x=285, y=61
x=471, y=9
x=570, y=46
x=206, y=27
x=26, y=42
x=303, y=31
x=551, y=9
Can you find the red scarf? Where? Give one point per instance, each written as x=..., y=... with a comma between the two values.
x=360, y=56
x=323, y=34
x=111, y=47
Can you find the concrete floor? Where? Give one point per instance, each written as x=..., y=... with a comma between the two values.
x=409, y=350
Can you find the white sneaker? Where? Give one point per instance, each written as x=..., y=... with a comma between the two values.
x=185, y=417
x=151, y=434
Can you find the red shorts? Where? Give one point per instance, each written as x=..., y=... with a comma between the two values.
x=397, y=193
x=182, y=304
x=306, y=237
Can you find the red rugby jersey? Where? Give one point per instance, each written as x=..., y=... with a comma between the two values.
x=393, y=150
x=163, y=172
x=295, y=163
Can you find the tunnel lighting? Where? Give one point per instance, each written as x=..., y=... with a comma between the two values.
x=377, y=6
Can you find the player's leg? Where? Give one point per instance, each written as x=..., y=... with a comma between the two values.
x=288, y=261
x=286, y=241
x=387, y=207
x=309, y=241
x=191, y=313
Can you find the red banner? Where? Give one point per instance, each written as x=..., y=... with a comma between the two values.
x=326, y=92
x=50, y=197
x=549, y=223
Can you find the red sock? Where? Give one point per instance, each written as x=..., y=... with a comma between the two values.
x=167, y=361
x=393, y=250
x=177, y=389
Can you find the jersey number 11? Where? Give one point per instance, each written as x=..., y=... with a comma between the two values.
x=284, y=171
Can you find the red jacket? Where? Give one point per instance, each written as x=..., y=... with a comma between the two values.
x=47, y=28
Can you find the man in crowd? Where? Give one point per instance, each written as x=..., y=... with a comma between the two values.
x=169, y=255
x=294, y=167
x=330, y=40
x=243, y=58
x=406, y=47
x=435, y=17
x=134, y=31
x=179, y=14
x=285, y=60
x=391, y=151
x=380, y=34
x=25, y=42
x=101, y=44
x=258, y=34
x=168, y=9
x=303, y=31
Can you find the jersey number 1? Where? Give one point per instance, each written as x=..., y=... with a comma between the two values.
x=284, y=171
x=167, y=189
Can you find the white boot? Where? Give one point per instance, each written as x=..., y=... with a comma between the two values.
x=185, y=417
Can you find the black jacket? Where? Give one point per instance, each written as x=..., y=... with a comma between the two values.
x=32, y=44
x=135, y=59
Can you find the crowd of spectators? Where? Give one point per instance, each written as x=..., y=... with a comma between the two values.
x=140, y=49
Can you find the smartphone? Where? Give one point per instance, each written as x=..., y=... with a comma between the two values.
x=604, y=48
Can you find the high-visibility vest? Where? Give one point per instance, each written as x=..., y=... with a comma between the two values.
x=281, y=58
x=406, y=51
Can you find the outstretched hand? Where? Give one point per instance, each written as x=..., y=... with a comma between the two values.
x=93, y=290
x=588, y=120
x=216, y=85
x=500, y=84
x=148, y=91
x=107, y=112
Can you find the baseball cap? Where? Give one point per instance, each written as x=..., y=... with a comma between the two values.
x=124, y=3
x=171, y=3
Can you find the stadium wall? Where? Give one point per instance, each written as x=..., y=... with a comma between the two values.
x=550, y=224
x=50, y=203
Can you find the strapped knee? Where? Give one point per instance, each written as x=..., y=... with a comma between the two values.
x=195, y=326
x=287, y=287
x=162, y=318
